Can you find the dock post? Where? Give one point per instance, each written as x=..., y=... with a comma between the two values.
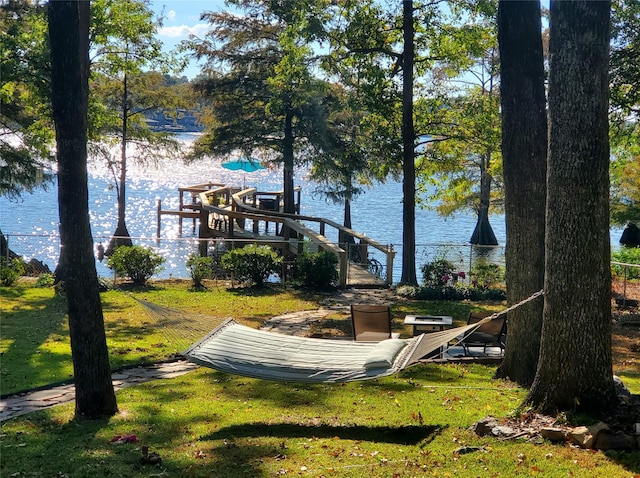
x=158, y=207
x=390, y=254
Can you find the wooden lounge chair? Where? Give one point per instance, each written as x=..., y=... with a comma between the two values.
x=371, y=323
x=489, y=334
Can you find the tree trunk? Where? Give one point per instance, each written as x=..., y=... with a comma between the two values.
x=483, y=233
x=289, y=202
x=347, y=241
x=409, y=276
x=69, y=36
x=524, y=164
x=121, y=236
x=574, y=369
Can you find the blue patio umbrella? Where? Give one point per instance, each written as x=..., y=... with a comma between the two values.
x=244, y=163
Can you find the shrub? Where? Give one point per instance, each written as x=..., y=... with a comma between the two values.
x=485, y=275
x=626, y=255
x=135, y=262
x=200, y=268
x=458, y=293
x=45, y=279
x=439, y=273
x=407, y=291
x=252, y=263
x=11, y=270
x=317, y=270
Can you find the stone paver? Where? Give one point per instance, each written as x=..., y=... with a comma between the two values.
x=31, y=402
x=295, y=323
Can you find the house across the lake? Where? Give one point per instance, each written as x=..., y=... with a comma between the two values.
x=176, y=120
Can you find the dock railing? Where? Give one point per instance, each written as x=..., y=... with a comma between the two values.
x=243, y=217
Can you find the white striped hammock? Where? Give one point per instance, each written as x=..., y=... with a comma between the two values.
x=237, y=349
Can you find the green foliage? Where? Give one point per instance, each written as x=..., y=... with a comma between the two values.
x=626, y=255
x=625, y=185
x=453, y=293
x=135, y=262
x=439, y=273
x=317, y=270
x=200, y=268
x=46, y=280
x=24, y=98
x=11, y=270
x=252, y=263
x=485, y=275
x=259, y=87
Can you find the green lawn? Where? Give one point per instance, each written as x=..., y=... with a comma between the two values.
x=210, y=424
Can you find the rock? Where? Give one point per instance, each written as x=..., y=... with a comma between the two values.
x=503, y=431
x=553, y=434
x=581, y=436
x=620, y=388
x=586, y=436
x=597, y=428
x=485, y=426
x=608, y=440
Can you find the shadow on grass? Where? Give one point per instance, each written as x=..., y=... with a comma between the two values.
x=405, y=435
x=26, y=328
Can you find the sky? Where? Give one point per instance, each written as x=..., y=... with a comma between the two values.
x=181, y=19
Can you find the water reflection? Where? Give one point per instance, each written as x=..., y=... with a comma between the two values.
x=32, y=225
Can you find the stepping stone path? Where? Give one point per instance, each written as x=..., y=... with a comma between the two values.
x=33, y=401
x=296, y=323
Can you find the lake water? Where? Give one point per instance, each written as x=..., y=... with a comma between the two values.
x=32, y=224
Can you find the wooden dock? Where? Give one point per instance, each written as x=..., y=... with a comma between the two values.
x=251, y=216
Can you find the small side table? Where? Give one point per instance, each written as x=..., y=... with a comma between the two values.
x=428, y=323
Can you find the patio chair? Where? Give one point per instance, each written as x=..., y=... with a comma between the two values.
x=489, y=334
x=371, y=323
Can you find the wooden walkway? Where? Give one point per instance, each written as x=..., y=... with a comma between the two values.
x=253, y=216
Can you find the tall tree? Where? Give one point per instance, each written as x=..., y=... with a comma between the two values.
x=341, y=169
x=524, y=166
x=259, y=84
x=574, y=368
x=378, y=45
x=69, y=38
x=124, y=44
x=408, y=150
x=464, y=165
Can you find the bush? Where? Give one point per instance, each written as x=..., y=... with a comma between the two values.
x=439, y=273
x=485, y=275
x=11, y=270
x=252, y=263
x=200, y=268
x=458, y=293
x=626, y=255
x=317, y=270
x=45, y=279
x=135, y=262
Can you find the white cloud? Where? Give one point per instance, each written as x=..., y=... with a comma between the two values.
x=171, y=15
x=183, y=31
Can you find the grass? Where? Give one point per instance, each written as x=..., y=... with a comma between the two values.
x=208, y=423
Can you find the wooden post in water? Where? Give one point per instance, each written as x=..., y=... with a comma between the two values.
x=159, y=216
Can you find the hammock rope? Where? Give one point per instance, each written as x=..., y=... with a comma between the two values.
x=238, y=349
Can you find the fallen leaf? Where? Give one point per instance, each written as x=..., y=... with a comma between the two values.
x=119, y=439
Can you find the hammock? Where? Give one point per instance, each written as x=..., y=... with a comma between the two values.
x=237, y=349
x=242, y=350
